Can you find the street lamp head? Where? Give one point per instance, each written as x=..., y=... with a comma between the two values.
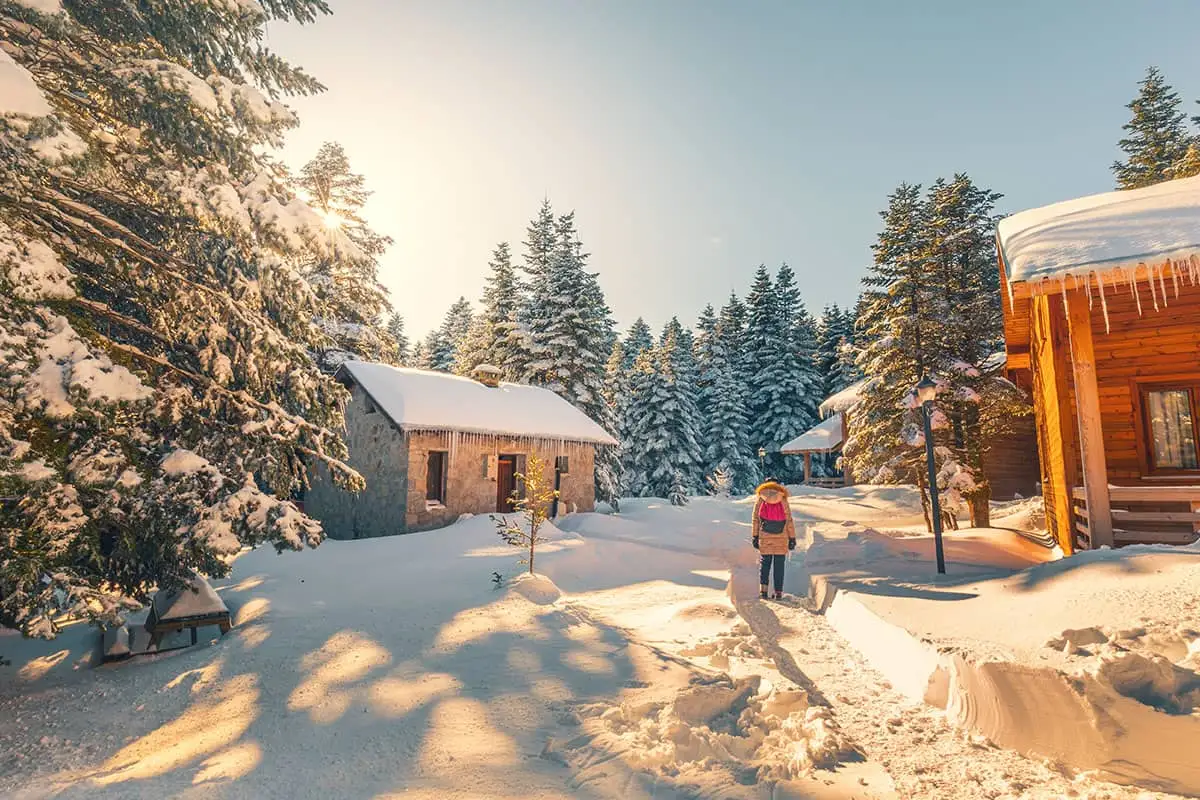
x=926, y=390
x=762, y=452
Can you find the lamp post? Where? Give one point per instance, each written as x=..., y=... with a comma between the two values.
x=762, y=458
x=926, y=392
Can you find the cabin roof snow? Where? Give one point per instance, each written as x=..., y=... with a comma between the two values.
x=824, y=437
x=844, y=400
x=1103, y=232
x=422, y=400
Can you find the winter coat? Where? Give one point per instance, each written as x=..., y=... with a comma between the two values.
x=773, y=544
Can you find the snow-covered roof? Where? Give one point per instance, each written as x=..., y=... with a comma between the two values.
x=1103, y=232
x=844, y=400
x=822, y=438
x=422, y=400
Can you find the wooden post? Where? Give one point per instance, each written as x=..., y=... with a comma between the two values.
x=1087, y=408
x=807, y=468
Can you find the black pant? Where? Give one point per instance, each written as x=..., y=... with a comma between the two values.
x=764, y=571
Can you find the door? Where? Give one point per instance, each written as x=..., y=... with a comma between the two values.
x=506, y=483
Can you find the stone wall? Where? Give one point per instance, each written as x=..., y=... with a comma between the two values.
x=378, y=452
x=468, y=490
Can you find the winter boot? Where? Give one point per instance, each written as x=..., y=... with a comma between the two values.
x=762, y=591
x=779, y=595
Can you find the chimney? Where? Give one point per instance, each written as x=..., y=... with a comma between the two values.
x=487, y=375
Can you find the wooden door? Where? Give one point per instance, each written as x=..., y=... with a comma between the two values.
x=506, y=483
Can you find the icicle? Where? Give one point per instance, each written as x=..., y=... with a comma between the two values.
x=1133, y=288
x=1174, y=277
x=1153, y=291
x=1162, y=282
x=1062, y=285
x=1012, y=300
x=1103, y=300
x=1087, y=287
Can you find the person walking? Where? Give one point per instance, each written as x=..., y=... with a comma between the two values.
x=774, y=534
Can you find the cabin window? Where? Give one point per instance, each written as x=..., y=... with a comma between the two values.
x=1170, y=413
x=562, y=465
x=435, y=477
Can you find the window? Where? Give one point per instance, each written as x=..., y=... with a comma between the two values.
x=562, y=465
x=1170, y=416
x=435, y=477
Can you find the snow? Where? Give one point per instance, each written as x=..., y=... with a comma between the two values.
x=824, y=437
x=32, y=268
x=637, y=663
x=1113, y=231
x=422, y=400
x=19, y=94
x=844, y=400
x=44, y=6
x=196, y=599
x=60, y=147
x=184, y=462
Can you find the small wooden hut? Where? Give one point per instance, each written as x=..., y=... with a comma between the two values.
x=1102, y=322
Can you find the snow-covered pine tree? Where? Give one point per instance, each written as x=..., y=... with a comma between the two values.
x=733, y=335
x=1156, y=138
x=353, y=300
x=395, y=329
x=899, y=304
x=784, y=384
x=159, y=398
x=705, y=347
x=680, y=343
x=541, y=241
x=835, y=335
x=960, y=225
x=618, y=388
x=677, y=495
x=644, y=447
x=1189, y=165
x=727, y=450
x=639, y=340
x=490, y=338
x=441, y=346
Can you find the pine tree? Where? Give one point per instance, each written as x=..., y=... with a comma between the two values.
x=677, y=495
x=639, y=340
x=1189, y=165
x=159, y=402
x=395, y=329
x=1157, y=137
x=353, y=300
x=899, y=305
x=663, y=424
x=835, y=349
x=727, y=450
x=732, y=321
x=443, y=344
x=617, y=394
x=493, y=332
x=783, y=383
x=535, y=316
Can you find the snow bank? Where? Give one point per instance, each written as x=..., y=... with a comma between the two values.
x=1091, y=661
x=423, y=400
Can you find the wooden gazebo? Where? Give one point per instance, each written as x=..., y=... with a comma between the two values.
x=1102, y=323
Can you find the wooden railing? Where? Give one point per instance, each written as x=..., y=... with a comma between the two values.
x=1144, y=515
x=836, y=482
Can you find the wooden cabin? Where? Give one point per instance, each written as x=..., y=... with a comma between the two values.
x=1009, y=460
x=1102, y=323
x=434, y=446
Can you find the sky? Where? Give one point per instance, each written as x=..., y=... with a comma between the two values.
x=697, y=139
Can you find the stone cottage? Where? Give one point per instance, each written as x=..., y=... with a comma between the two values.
x=434, y=446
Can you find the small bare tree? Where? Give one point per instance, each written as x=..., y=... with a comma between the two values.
x=534, y=507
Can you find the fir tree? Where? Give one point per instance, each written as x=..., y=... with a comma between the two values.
x=347, y=284
x=783, y=383
x=639, y=340
x=677, y=495
x=834, y=342
x=663, y=424
x=535, y=316
x=733, y=335
x=727, y=450
x=1157, y=137
x=159, y=401
x=395, y=329
x=444, y=343
x=493, y=332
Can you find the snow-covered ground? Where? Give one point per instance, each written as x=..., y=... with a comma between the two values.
x=640, y=663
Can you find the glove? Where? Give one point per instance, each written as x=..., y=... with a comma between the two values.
x=791, y=544
x=755, y=542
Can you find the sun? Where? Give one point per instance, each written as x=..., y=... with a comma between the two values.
x=332, y=219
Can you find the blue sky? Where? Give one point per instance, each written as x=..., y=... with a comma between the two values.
x=698, y=138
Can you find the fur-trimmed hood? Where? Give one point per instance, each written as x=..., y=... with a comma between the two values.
x=769, y=485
